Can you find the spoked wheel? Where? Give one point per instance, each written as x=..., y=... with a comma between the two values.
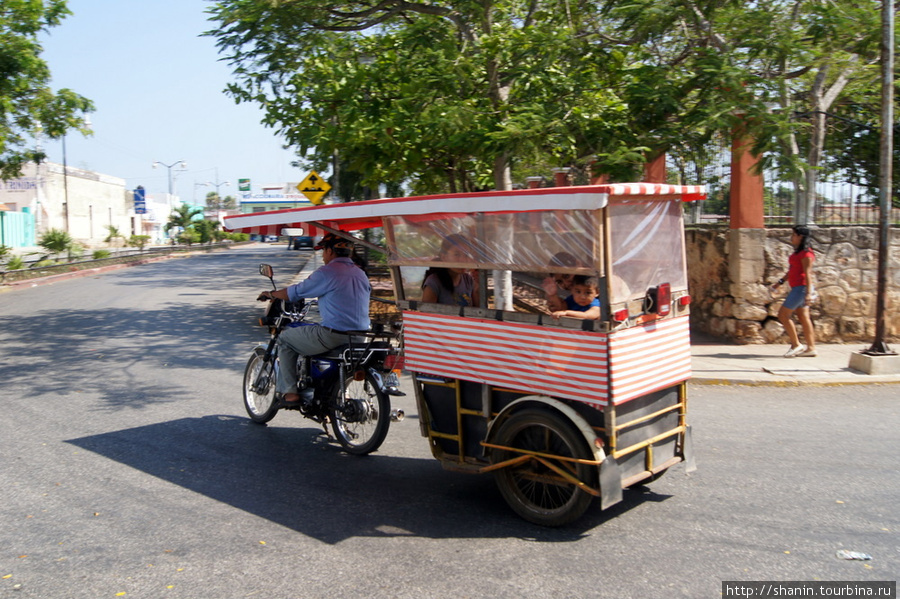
x=259, y=388
x=532, y=488
x=361, y=415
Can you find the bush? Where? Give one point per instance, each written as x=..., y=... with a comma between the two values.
x=100, y=254
x=76, y=250
x=15, y=263
x=55, y=241
x=188, y=236
x=139, y=241
x=43, y=263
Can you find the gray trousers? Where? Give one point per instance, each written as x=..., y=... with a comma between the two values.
x=294, y=342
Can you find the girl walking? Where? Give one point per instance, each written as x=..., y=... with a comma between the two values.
x=799, y=277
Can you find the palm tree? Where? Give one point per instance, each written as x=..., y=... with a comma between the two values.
x=182, y=217
x=113, y=234
x=56, y=241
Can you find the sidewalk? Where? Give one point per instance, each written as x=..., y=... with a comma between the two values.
x=716, y=363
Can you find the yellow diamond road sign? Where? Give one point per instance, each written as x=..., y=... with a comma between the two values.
x=314, y=187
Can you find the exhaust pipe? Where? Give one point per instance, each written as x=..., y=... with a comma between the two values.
x=397, y=415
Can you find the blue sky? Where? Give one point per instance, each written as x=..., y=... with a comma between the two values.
x=157, y=87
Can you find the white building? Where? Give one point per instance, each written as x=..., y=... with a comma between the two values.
x=84, y=203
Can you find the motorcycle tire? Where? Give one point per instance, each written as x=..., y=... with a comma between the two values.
x=260, y=404
x=360, y=415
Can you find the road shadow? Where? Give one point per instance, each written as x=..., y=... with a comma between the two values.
x=209, y=325
x=100, y=346
x=292, y=477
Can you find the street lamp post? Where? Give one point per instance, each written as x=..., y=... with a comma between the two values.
x=180, y=163
x=217, y=185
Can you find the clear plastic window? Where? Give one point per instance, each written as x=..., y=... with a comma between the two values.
x=647, y=247
x=523, y=241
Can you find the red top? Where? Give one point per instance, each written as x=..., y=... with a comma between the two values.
x=796, y=276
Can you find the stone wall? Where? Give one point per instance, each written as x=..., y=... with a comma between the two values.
x=729, y=272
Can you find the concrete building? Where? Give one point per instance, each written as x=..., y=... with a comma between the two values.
x=83, y=203
x=273, y=197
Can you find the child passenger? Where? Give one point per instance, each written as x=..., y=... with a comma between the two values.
x=584, y=302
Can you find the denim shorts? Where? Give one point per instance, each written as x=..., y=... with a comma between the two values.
x=796, y=298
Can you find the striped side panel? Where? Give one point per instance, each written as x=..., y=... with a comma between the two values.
x=533, y=359
x=649, y=357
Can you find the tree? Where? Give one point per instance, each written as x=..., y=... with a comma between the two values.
x=448, y=94
x=28, y=106
x=139, y=241
x=215, y=202
x=744, y=59
x=114, y=234
x=206, y=230
x=183, y=217
x=189, y=236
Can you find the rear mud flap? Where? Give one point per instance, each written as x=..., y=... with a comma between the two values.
x=610, y=482
x=687, y=449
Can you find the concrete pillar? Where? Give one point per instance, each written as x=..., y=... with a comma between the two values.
x=655, y=170
x=561, y=177
x=746, y=186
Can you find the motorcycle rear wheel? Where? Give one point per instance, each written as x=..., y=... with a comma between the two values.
x=260, y=404
x=361, y=415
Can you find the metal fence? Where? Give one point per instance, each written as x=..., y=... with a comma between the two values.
x=844, y=195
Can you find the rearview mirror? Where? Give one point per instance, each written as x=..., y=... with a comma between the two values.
x=265, y=270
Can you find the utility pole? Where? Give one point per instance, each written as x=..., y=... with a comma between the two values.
x=879, y=346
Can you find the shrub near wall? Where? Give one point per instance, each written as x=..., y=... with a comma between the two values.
x=846, y=272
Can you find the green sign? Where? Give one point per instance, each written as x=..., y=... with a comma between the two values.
x=243, y=184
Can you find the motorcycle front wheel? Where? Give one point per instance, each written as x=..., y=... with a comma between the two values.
x=259, y=388
x=360, y=414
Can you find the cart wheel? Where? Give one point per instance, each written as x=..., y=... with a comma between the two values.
x=532, y=490
x=260, y=401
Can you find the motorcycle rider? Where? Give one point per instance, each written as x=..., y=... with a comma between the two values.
x=343, y=290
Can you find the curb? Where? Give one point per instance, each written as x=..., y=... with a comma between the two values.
x=736, y=382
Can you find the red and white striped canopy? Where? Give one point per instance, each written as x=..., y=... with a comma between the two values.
x=361, y=215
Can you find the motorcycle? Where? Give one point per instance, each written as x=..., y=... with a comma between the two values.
x=348, y=387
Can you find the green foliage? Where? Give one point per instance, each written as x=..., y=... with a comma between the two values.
x=75, y=251
x=451, y=96
x=15, y=263
x=100, y=254
x=188, y=236
x=206, y=230
x=446, y=95
x=139, y=241
x=27, y=103
x=237, y=236
x=216, y=202
x=183, y=217
x=56, y=241
x=114, y=234
x=5, y=251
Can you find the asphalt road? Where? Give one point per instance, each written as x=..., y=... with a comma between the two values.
x=128, y=469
